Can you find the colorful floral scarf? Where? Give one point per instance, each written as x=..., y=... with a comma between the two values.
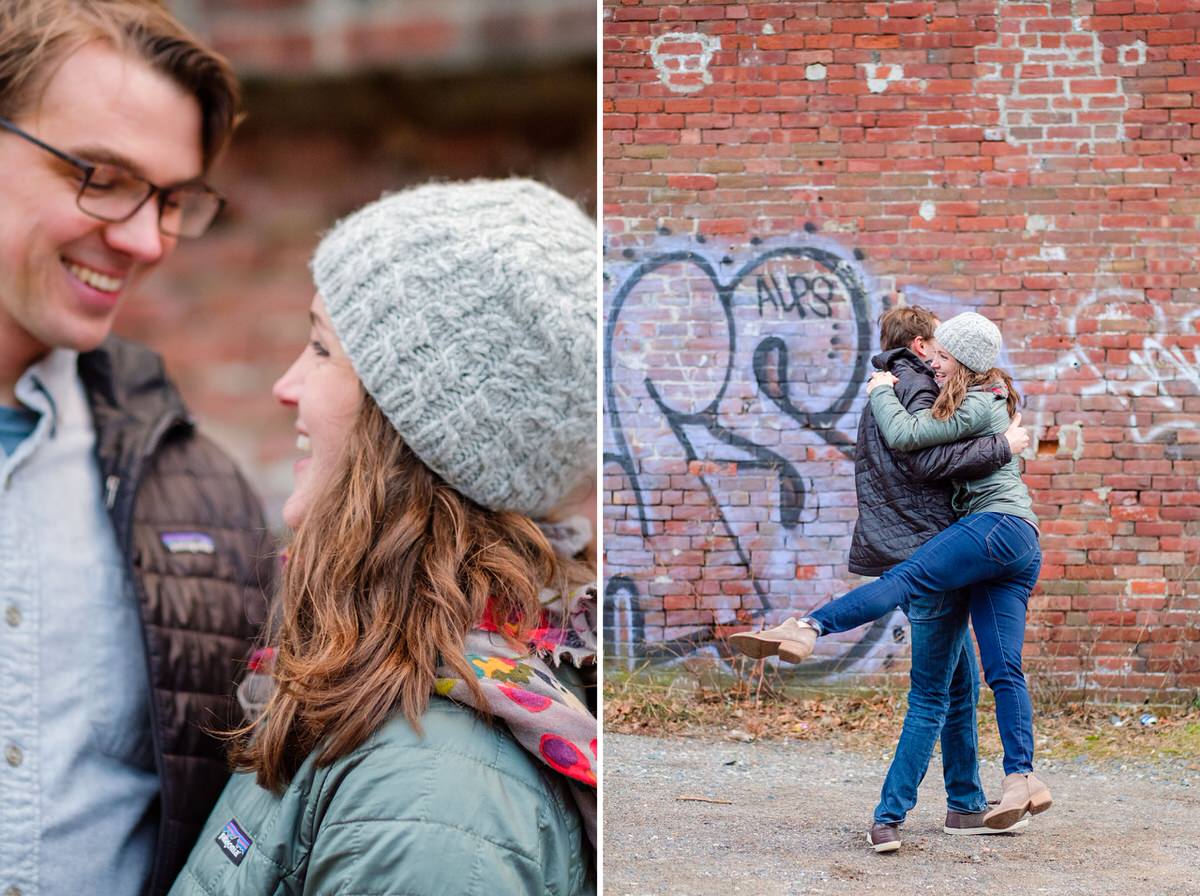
x=519, y=687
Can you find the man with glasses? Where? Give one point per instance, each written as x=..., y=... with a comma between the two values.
x=133, y=556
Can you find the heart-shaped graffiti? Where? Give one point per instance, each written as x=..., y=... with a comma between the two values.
x=806, y=296
x=786, y=336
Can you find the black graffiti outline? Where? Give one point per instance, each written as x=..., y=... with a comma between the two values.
x=792, y=491
x=680, y=647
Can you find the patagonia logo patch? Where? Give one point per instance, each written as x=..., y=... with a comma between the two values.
x=234, y=842
x=187, y=542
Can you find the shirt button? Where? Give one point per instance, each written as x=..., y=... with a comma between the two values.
x=13, y=617
x=13, y=756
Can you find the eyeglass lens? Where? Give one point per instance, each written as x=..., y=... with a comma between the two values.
x=114, y=194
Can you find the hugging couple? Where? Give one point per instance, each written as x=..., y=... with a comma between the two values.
x=947, y=525
x=415, y=708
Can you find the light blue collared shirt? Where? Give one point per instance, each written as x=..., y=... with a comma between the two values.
x=77, y=774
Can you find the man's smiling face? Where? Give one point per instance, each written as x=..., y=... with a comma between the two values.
x=62, y=273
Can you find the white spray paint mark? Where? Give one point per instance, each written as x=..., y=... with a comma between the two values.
x=879, y=75
x=928, y=210
x=1160, y=361
x=1133, y=54
x=1069, y=429
x=768, y=28
x=1022, y=121
x=815, y=72
x=1036, y=223
x=622, y=650
x=682, y=59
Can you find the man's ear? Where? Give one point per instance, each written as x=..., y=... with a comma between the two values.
x=920, y=347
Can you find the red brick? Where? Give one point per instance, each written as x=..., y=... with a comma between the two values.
x=1070, y=222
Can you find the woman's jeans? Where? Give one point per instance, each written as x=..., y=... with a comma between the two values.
x=994, y=559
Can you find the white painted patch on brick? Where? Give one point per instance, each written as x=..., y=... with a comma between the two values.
x=1133, y=54
x=928, y=210
x=1053, y=253
x=684, y=72
x=1036, y=223
x=879, y=75
x=1066, y=443
x=1022, y=122
x=768, y=28
x=815, y=72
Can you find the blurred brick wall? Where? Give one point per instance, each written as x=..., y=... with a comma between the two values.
x=229, y=311
x=334, y=36
x=773, y=174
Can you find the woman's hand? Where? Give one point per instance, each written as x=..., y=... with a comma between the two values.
x=880, y=378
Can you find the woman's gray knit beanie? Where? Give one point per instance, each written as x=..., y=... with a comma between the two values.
x=469, y=313
x=971, y=339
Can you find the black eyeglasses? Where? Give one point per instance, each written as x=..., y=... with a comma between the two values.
x=111, y=193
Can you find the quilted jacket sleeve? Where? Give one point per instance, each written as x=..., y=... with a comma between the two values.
x=965, y=459
x=907, y=432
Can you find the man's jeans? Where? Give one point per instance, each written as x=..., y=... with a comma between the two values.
x=996, y=558
x=934, y=620
x=939, y=701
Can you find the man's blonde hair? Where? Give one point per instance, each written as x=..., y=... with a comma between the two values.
x=36, y=36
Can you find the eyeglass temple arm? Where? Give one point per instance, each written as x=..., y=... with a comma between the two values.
x=57, y=153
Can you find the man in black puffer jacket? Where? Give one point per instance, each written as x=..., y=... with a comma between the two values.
x=134, y=557
x=903, y=501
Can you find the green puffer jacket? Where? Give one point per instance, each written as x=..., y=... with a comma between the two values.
x=462, y=810
x=984, y=411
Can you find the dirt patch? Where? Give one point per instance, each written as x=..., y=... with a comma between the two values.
x=789, y=817
x=747, y=788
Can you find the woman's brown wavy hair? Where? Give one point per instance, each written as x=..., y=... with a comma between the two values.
x=389, y=570
x=957, y=384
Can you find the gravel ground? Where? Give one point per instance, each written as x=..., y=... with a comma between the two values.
x=798, y=814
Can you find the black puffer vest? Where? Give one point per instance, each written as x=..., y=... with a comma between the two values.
x=904, y=497
x=203, y=603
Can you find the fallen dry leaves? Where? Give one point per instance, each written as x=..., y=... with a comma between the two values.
x=870, y=720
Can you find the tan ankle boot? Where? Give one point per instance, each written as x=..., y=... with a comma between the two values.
x=1020, y=793
x=792, y=640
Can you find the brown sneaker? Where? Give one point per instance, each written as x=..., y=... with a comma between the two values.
x=791, y=640
x=972, y=823
x=1019, y=794
x=884, y=837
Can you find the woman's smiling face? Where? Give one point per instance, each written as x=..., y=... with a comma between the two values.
x=325, y=391
x=943, y=363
